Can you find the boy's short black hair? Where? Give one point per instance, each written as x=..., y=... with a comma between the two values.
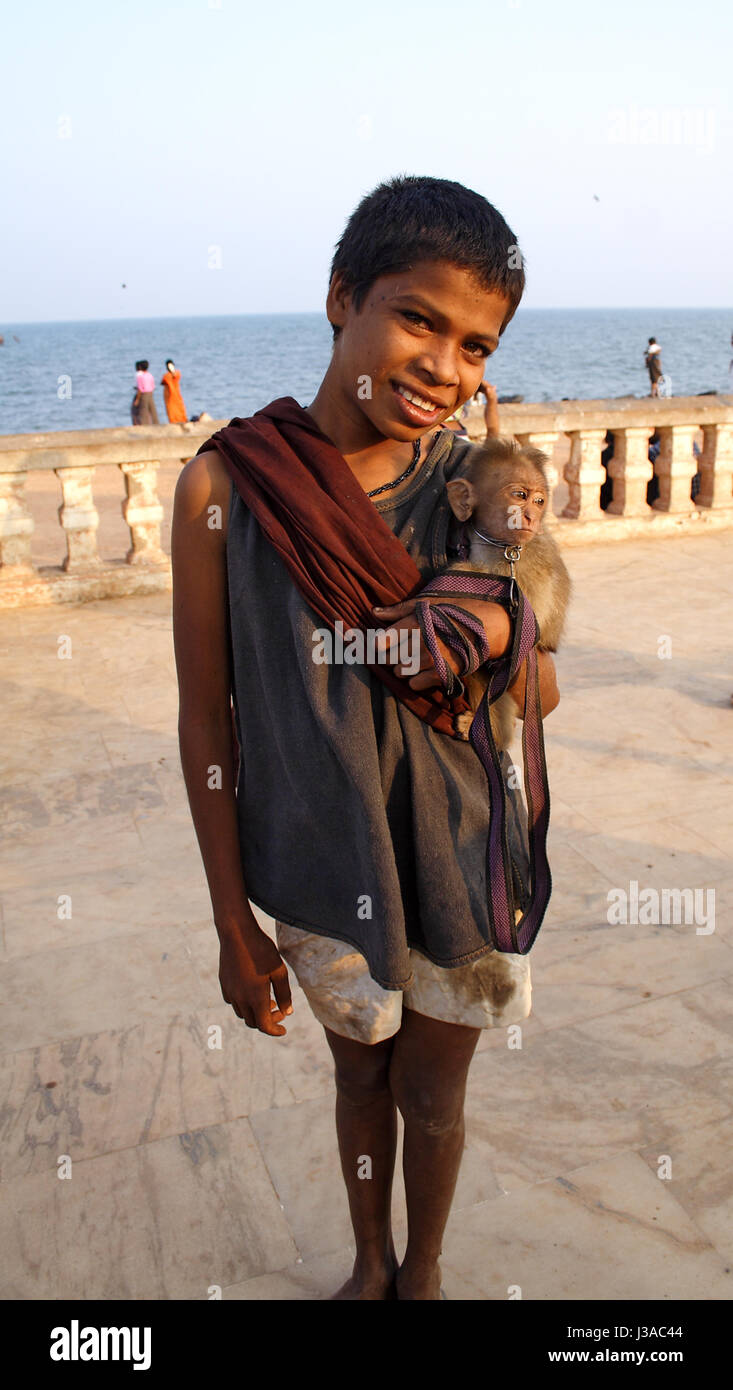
x=411, y=219
x=143, y=365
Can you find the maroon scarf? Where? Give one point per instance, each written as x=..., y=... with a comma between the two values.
x=340, y=553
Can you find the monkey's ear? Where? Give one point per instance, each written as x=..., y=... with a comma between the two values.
x=462, y=498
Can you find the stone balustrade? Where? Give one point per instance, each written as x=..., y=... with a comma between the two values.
x=75, y=456
x=631, y=423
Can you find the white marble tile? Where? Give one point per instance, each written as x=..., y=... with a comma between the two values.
x=80, y=795
x=50, y=851
x=138, y=892
x=117, y=1089
x=29, y=764
x=164, y=1220
x=576, y=976
x=700, y=1178
x=656, y=852
x=575, y=1094
x=307, y=1280
x=300, y=1150
x=606, y=1231
x=97, y=986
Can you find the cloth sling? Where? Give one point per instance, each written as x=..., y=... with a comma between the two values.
x=345, y=560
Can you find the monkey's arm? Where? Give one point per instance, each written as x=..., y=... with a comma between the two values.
x=477, y=683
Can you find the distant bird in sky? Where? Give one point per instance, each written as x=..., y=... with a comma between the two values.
x=124, y=287
x=596, y=199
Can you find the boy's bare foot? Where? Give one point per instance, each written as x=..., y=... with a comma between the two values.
x=374, y=1284
x=423, y=1284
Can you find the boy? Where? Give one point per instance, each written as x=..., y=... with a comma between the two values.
x=357, y=824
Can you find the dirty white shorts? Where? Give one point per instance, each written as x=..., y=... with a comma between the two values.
x=492, y=992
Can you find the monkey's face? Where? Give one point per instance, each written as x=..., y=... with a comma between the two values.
x=509, y=503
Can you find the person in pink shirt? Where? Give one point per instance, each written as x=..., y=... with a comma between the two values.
x=143, y=405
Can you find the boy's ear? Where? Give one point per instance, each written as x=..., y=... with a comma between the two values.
x=462, y=498
x=338, y=300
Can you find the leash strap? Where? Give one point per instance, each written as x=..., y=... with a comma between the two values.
x=472, y=650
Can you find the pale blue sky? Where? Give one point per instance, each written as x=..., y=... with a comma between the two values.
x=257, y=127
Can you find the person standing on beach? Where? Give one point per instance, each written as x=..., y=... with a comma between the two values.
x=170, y=381
x=135, y=402
x=144, y=402
x=653, y=360
x=351, y=809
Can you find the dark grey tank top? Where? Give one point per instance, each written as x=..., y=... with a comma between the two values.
x=356, y=819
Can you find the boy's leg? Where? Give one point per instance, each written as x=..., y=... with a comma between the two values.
x=366, y=1124
x=427, y=1077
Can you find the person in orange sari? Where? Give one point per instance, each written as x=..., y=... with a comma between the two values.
x=174, y=406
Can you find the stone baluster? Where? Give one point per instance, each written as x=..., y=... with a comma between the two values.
x=16, y=523
x=632, y=470
x=584, y=475
x=675, y=467
x=545, y=442
x=716, y=467
x=143, y=513
x=79, y=518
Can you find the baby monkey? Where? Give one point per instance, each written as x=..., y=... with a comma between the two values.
x=501, y=501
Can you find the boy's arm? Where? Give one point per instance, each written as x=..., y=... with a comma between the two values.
x=250, y=963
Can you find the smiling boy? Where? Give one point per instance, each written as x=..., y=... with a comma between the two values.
x=357, y=823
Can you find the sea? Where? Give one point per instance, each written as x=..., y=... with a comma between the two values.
x=72, y=376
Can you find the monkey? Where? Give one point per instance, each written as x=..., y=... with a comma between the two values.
x=501, y=501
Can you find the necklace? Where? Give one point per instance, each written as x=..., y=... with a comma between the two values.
x=386, y=487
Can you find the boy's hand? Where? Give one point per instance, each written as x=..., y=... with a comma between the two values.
x=400, y=621
x=249, y=967
x=493, y=617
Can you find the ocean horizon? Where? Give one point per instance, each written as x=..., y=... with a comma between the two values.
x=80, y=374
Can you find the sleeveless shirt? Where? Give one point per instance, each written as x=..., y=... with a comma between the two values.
x=356, y=819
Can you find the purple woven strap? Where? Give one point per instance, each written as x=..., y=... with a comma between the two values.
x=472, y=651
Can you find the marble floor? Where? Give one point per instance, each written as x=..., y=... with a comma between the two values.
x=138, y=1161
